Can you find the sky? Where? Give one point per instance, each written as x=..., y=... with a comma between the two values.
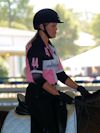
x=77, y=5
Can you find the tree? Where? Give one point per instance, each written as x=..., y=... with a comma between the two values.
x=95, y=28
x=67, y=33
x=3, y=68
x=16, y=14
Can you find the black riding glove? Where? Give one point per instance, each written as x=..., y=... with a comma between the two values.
x=65, y=98
x=83, y=91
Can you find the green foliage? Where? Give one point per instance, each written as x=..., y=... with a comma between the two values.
x=82, y=21
x=3, y=23
x=19, y=26
x=3, y=68
x=67, y=32
x=18, y=11
x=95, y=25
x=95, y=28
x=14, y=25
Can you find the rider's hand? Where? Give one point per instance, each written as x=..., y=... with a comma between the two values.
x=83, y=91
x=65, y=98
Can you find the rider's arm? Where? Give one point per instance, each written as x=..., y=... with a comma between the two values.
x=64, y=78
x=51, y=89
x=42, y=83
x=71, y=83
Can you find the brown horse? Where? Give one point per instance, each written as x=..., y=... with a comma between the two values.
x=3, y=115
x=87, y=110
x=88, y=113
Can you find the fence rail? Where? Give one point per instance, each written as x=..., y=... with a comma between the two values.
x=22, y=90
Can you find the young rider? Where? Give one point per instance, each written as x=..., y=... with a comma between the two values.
x=43, y=70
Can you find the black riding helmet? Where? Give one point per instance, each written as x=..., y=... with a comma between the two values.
x=45, y=16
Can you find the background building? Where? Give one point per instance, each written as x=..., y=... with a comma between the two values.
x=85, y=64
x=12, y=47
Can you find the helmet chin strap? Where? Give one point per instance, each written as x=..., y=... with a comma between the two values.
x=45, y=31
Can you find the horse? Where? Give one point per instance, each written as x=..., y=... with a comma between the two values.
x=83, y=116
x=88, y=113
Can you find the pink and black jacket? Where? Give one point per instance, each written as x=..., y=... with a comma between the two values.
x=42, y=63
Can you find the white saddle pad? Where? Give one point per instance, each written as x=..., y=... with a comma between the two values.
x=21, y=124
x=16, y=123
x=71, y=126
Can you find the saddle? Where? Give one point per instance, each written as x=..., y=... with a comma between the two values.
x=22, y=108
